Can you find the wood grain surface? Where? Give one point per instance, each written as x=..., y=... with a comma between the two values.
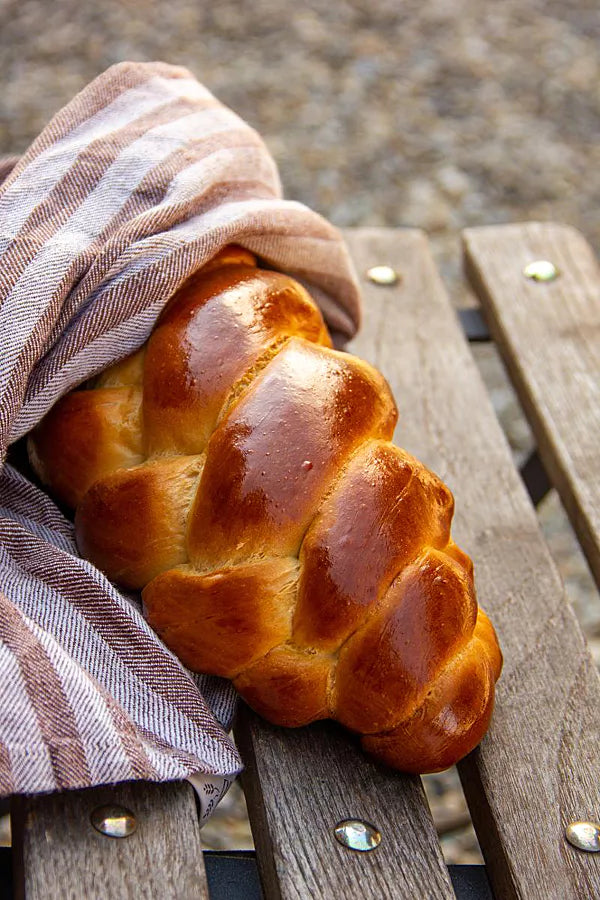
x=300, y=784
x=63, y=856
x=539, y=767
x=549, y=336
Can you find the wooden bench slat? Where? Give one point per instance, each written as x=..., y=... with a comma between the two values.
x=549, y=336
x=293, y=815
x=300, y=784
x=539, y=768
x=60, y=854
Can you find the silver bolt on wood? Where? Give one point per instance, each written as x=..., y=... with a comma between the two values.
x=584, y=836
x=541, y=270
x=357, y=835
x=384, y=275
x=114, y=821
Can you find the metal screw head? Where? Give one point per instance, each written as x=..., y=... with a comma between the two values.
x=584, y=836
x=357, y=835
x=114, y=821
x=382, y=275
x=541, y=270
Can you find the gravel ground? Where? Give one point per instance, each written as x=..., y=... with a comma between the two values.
x=439, y=115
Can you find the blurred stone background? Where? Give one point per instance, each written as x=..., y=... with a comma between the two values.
x=439, y=115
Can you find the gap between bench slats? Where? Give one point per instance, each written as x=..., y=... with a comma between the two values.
x=59, y=854
x=549, y=336
x=539, y=768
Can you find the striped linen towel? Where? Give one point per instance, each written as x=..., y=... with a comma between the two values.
x=133, y=186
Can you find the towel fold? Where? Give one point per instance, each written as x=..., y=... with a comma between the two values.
x=130, y=188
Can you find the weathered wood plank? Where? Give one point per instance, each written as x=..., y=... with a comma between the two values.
x=539, y=767
x=60, y=854
x=549, y=336
x=300, y=784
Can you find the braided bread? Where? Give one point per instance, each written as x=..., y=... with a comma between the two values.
x=238, y=470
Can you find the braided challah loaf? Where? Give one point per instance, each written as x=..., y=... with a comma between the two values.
x=239, y=471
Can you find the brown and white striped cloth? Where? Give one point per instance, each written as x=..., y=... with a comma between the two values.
x=133, y=186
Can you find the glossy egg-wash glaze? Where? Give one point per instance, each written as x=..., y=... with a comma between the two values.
x=428, y=614
x=239, y=470
x=366, y=531
x=457, y=712
x=217, y=330
x=257, y=496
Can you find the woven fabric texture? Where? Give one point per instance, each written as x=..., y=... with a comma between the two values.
x=132, y=187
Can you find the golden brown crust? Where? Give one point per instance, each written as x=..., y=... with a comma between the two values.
x=239, y=470
x=451, y=720
x=279, y=448
x=223, y=622
x=287, y=686
x=132, y=523
x=427, y=616
x=86, y=436
x=203, y=343
x=372, y=524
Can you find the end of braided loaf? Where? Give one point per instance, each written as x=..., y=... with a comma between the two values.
x=239, y=471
